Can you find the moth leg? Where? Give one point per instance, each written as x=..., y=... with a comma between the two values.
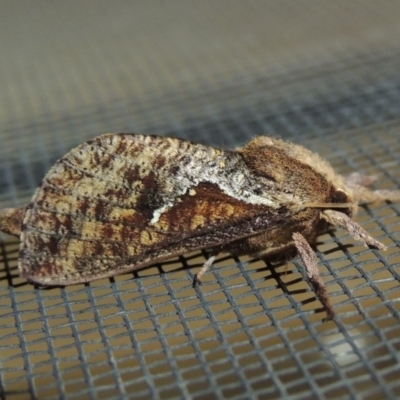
x=203, y=270
x=362, y=194
x=357, y=184
x=337, y=218
x=310, y=262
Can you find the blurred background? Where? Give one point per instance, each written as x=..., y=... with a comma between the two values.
x=321, y=73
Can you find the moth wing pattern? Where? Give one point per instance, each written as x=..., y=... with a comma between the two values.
x=117, y=203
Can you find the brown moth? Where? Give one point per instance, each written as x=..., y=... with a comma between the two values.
x=122, y=201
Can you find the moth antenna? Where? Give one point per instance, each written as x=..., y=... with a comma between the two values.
x=11, y=220
x=339, y=219
x=327, y=205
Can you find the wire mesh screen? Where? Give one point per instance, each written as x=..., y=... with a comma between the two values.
x=323, y=74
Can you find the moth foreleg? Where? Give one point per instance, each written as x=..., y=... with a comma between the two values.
x=340, y=219
x=364, y=195
x=357, y=183
x=310, y=262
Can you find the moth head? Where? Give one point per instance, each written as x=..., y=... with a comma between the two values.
x=342, y=200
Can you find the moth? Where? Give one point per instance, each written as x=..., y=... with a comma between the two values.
x=120, y=202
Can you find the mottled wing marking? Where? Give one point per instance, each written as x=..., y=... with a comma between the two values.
x=120, y=201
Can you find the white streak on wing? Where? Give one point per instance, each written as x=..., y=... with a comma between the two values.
x=157, y=213
x=201, y=169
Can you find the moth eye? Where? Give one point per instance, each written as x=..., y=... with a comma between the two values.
x=340, y=196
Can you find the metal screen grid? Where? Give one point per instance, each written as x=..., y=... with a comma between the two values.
x=251, y=330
